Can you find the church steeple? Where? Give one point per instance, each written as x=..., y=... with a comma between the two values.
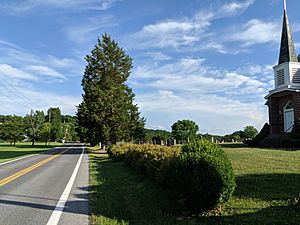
x=287, y=48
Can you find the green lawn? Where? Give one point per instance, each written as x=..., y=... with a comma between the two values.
x=266, y=180
x=9, y=152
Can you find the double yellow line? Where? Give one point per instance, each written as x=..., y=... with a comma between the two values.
x=28, y=169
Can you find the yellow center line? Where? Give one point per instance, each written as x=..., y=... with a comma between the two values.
x=28, y=169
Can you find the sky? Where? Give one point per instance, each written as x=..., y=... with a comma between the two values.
x=210, y=61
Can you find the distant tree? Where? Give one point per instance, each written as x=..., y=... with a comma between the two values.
x=34, y=121
x=12, y=129
x=44, y=132
x=185, y=130
x=54, y=117
x=156, y=136
x=250, y=132
x=69, y=125
x=107, y=113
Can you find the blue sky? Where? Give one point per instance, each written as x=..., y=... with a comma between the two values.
x=205, y=60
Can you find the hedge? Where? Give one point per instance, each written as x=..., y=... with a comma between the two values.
x=199, y=175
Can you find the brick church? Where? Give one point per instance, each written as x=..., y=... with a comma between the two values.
x=284, y=100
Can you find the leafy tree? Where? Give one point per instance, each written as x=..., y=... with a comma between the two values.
x=12, y=129
x=54, y=117
x=34, y=121
x=107, y=112
x=185, y=130
x=69, y=128
x=250, y=132
x=44, y=132
x=156, y=136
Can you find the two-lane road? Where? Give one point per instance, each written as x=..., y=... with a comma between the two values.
x=49, y=188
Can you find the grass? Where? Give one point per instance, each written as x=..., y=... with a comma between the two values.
x=266, y=182
x=9, y=152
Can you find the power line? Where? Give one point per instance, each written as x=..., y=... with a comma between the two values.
x=17, y=93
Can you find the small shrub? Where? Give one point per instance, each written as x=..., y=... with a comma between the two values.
x=203, y=146
x=203, y=176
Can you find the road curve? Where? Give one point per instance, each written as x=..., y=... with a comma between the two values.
x=33, y=189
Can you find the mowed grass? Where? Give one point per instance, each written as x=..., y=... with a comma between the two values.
x=9, y=152
x=267, y=181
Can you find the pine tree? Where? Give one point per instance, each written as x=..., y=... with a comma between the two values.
x=107, y=112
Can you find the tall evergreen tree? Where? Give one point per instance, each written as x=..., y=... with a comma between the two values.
x=107, y=111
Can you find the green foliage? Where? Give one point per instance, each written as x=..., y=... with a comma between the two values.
x=156, y=136
x=203, y=176
x=44, y=132
x=107, y=112
x=200, y=178
x=203, y=146
x=264, y=132
x=12, y=128
x=69, y=127
x=34, y=121
x=149, y=159
x=54, y=117
x=250, y=132
x=185, y=130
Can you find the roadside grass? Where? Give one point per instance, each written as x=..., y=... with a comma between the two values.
x=10, y=152
x=267, y=181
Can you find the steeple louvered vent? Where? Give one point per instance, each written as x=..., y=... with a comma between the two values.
x=280, y=77
x=296, y=75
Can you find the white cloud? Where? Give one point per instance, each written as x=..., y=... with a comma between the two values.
x=10, y=71
x=44, y=71
x=27, y=5
x=159, y=56
x=89, y=29
x=257, y=32
x=184, y=31
x=216, y=114
x=188, y=88
x=191, y=75
x=19, y=105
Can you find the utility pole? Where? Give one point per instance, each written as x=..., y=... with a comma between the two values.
x=50, y=128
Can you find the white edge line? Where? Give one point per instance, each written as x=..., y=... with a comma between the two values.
x=54, y=219
x=25, y=157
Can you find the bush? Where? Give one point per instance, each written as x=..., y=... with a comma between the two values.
x=200, y=175
x=203, y=176
x=203, y=146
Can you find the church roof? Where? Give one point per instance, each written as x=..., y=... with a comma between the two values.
x=287, y=47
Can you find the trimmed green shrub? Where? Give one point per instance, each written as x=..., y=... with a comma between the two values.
x=203, y=146
x=203, y=181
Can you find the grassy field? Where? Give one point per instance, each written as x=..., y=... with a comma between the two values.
x=267, y=181
x=9, y=152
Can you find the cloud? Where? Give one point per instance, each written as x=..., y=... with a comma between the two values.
x=44, y=71
x=184, y=31
x=192, y=75
x=27, y=5
x=159, y=56
x=219, y=115
x=189, y=89
x=38, y=100
x=10, y=71
x=89, y=29
x=257, y=32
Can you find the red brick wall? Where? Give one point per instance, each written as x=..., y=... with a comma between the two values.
x=276, y=104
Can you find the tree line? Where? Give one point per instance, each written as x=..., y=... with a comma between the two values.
x=38, y=126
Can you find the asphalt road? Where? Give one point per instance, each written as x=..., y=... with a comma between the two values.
x=49, y=188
